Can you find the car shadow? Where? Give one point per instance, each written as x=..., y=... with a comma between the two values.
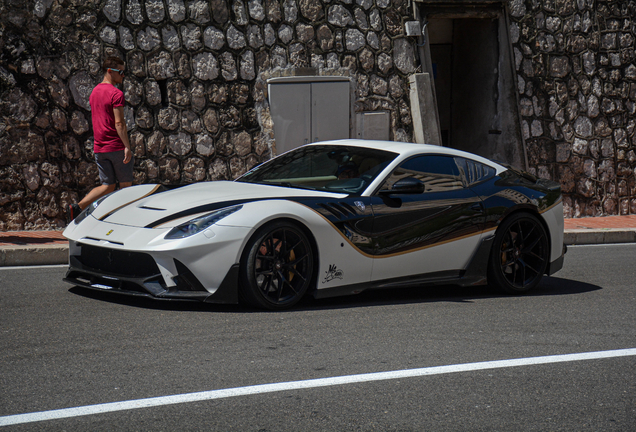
x=549, y=286
x=151, y=303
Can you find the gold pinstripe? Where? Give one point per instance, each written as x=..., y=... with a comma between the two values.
x=128, y=203
x=556, y=203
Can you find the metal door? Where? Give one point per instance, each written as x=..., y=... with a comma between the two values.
x=291, y=113
x=309, y=109
x=434, y=232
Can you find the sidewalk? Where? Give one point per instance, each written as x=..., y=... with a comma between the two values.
x=23, y=248
x=600, y=230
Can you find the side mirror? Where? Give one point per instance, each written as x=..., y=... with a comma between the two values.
x=407, y=185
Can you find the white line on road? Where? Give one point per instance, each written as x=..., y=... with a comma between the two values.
x=600, y=245
x=32, y=267
x=307, y=384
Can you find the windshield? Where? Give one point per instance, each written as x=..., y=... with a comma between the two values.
x=330, y=168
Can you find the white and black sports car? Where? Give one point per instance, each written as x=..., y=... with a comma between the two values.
x=325, y=219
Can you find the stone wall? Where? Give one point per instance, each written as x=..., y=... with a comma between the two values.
x=195, y=88
x=576, y=65
x=197, y=108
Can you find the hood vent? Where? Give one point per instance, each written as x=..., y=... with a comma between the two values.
x=152, y=208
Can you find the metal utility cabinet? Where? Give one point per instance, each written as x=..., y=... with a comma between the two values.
x=308, y=109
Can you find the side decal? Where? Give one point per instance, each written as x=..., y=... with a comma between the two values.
x=333, y=273
x=391, y=255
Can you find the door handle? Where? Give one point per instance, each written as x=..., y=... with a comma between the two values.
x=478, y=207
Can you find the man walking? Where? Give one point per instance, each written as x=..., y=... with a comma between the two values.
x=112, y=149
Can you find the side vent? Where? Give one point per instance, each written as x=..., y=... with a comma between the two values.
x=340, y=210
x=351, y=210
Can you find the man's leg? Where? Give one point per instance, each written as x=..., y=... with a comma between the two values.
x=111, y=168
x=123, y=171
x=94, y=194
x=106, y=177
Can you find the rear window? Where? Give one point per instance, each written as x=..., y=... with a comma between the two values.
x=474, y=172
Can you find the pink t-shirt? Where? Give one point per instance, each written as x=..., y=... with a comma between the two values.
x=103, y=99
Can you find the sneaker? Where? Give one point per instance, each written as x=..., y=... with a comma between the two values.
x=72, y=211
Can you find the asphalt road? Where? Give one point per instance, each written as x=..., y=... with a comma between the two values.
x=65, y=347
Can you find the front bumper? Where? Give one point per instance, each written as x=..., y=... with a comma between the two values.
x=137, y=274
x=557, y=264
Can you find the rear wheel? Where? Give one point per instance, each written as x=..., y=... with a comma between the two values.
x=519, y=255
x=277, y=266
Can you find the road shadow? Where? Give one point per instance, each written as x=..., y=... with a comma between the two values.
x=151, y=303
x=23, y=240
x=549, y=286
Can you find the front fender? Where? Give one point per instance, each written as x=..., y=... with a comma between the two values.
x=334, y=249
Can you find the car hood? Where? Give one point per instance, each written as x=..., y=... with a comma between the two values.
x=148, y=206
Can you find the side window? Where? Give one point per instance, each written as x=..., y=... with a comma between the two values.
x=474, y=172
x=437, y=173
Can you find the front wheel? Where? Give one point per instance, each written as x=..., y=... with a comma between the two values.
x=276, y=267
x=519, y=255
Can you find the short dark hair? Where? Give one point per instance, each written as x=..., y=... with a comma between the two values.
x=111, y=63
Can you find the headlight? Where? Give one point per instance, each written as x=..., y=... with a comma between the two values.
x=200, y=224
x=90, y=209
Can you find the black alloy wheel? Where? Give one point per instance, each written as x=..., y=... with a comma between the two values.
x=519, y=255
x=277, y=266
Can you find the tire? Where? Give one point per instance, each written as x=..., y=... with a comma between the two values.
x=519, y=254
x=277, y=266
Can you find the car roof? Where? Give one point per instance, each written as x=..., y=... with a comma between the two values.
x=409, y=149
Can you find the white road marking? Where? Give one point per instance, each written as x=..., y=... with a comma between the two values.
x=307, y=384
x=600, y=245
x=27, y=267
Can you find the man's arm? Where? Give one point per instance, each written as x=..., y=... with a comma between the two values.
x=122, y=131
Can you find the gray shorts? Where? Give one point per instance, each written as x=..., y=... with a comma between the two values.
x=112, y=168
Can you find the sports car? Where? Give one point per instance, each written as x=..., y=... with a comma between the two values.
x=325, y=219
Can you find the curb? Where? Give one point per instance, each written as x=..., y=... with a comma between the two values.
x=599, y=236
x=34, y=255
